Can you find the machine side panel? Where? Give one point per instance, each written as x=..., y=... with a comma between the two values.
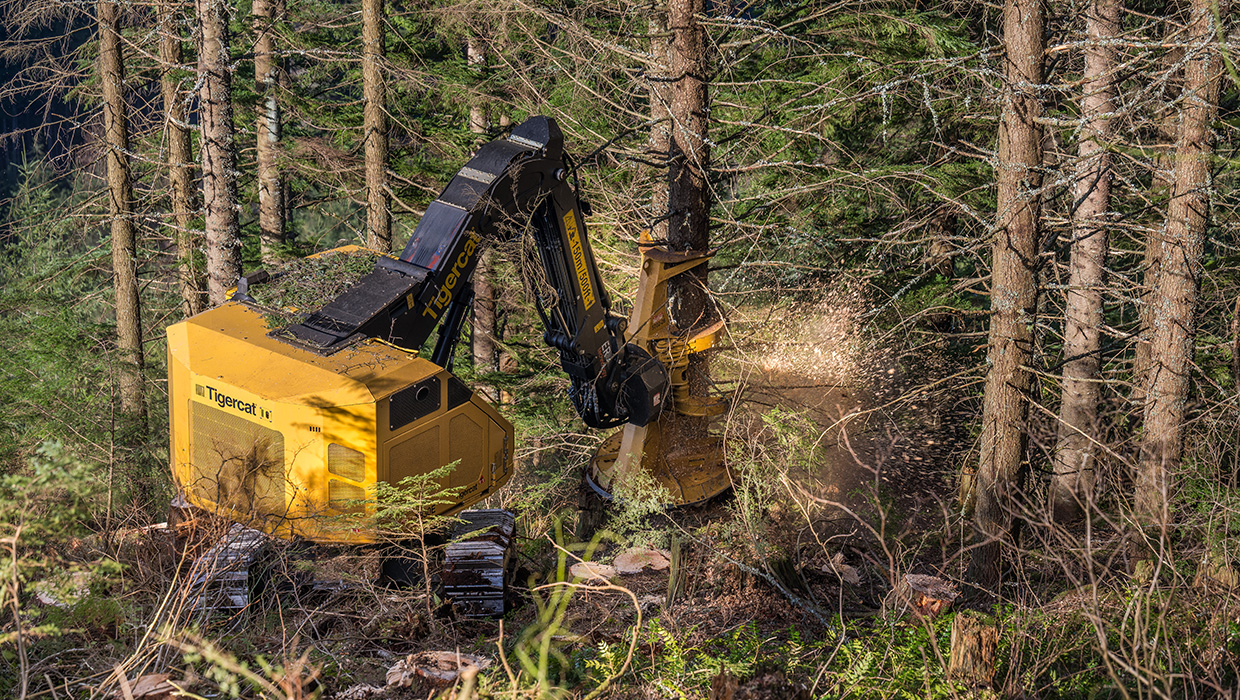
x=465, y=431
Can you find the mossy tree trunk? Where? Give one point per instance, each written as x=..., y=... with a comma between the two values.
x=266, y=13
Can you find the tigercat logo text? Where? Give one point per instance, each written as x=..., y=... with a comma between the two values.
x=579, y=259
x=444, y=297
x=223, y=400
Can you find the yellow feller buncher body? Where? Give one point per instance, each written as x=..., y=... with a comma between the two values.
x=289, y=429
x=278, y=437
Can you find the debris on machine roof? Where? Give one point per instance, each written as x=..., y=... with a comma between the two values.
x=298, y=287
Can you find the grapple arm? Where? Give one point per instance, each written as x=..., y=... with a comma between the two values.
x=510, y=184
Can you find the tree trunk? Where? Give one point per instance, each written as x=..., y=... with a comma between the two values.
x=375, y=128
x=267, y=129
x=219, y=150
x=180, y=161
x=1163, y=175
x=1173, y=300
x=1075, y=460
x=121, y=212
x=974, y=640
x=485, y=349
x=688, y=186
x=484, y=336
x=660, y=95
x=476, y=59
x=1013, y=291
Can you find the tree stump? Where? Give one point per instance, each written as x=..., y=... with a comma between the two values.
x=927, y=596
x=974, y=640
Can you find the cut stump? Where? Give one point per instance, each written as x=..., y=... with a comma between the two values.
x=927, y=596
x=974, y=640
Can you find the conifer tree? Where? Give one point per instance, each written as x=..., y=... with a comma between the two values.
x=180, y=158
x=1013, y=291
x=1174, y=293
x=219, y=149
x=375, y=127
x=271, y=209
x=121, y=214
x=1075, y=459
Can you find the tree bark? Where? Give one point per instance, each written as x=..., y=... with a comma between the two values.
x=1013, y=292
x=689, y=197
x=1075, y=460
x=476, y=59
x=121, y=212
x=219, y=150
x=375, y=127
x=180, y=161
x=267, y=129
x=659, y=92
x=1163, y=175
x=484, y=336
x=974, y=640
x=1173, y=302
x=485, y=349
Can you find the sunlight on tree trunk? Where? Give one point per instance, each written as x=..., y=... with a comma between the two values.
x=476, y=59
x=219, y=150
x=484, y=328
x=1173, y=301
x=121, y=213
x=1076, y=456
x=689, y=196
x=1013, y=291
x=180, y=161
x=375, y=128
x=485, y=350
x=267, y=129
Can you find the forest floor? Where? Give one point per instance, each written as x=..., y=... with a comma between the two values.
x=845, y=457
x=829, y=457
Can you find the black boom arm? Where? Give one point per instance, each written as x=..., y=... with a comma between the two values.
x=510, y=184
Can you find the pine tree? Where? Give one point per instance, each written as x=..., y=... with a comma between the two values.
x=121, y=214
x=1174, y=293
x=219, y=149
x=1013, y=291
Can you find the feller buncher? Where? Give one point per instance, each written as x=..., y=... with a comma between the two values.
x=277, y=428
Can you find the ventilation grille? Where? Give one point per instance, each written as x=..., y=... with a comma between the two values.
x=418, y=401
x=345, y=462
x=416, y=455
x=469, y=448
x=345, y=498
x=237, y=464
